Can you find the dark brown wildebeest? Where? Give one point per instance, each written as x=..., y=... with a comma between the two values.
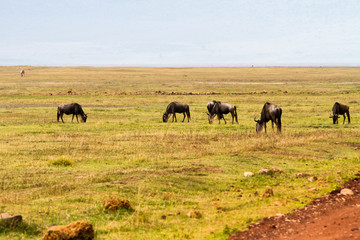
x=175, y=107
x=219, y=109
x=269, y=112
x=340, y=109
x=22, y=73
x=73, y=108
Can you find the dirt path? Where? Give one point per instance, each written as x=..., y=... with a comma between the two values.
x=334, y=216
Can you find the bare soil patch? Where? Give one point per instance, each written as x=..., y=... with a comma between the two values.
x=334, y=216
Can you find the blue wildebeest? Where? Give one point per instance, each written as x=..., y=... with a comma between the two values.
x=340, y=109
x=22, y=73
x=73, y=108
x=219, y=109
x=269, y=112
x=176, y=107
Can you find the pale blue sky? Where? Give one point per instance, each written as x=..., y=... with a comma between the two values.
x=180, y=33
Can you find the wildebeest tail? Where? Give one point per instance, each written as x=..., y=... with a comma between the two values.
x=235, y=114
x=348, y=115
x=58, y=114
x=279, y=120
x=188, y=112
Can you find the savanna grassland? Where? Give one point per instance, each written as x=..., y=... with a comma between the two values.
x=53, y=173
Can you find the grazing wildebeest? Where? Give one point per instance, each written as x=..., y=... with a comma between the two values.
x=176, y=107
x=22, y=72
x=269, y=112
x=73, y=108
x=219, y=109
x=340, y=109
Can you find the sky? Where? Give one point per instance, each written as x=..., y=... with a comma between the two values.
x=180, y=33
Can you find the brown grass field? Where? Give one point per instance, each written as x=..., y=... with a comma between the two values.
x=53, y=173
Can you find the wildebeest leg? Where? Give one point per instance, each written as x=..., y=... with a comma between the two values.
x=224, y=119
x=61, y=116
x=72, y=118
x=272, y=124
x=265, y=126
x=344, y=119
x=232, y=117
x=77, y=118
x=184, y=117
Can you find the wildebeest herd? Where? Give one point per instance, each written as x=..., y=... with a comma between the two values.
x=270, y=112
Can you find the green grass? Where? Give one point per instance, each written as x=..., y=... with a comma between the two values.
x=53, y=173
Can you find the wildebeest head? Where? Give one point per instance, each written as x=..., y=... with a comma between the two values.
x=334, y=117
x=84, y=117
x=165, y=117
x=259, y=125
x=211, y=117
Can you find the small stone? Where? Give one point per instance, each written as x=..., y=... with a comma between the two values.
x=75, y=230
x=299, y=175
x=238, y=190
x=116, y=203
x=8, y=220
x=248, y=174
x=264, y=171
x=346, y=191
x=194, y=214
x=312, y=179
x=276, y=169
x=268, y=193
x=320, y=181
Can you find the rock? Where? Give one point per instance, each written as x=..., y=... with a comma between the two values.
x=269, y=171
x=76, y=230
x=114, y=204
x=276, y=169
x=320, y=181
x=194, y=214
x=248, y=174
x=268, y=193
x=346, y=191
x=312, y=179
x=299, y=175
x=238, y=190
x=264, y=171
x=8, y=220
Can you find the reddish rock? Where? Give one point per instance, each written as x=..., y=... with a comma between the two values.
x=80, y=230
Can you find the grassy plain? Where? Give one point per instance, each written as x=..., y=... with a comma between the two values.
x=53, y=173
